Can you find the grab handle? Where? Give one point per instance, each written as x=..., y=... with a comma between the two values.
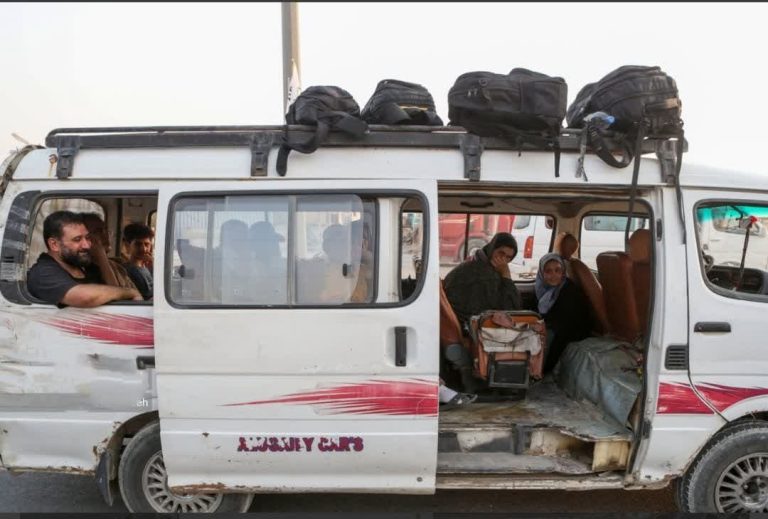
x=401, y=346
x=712, y=327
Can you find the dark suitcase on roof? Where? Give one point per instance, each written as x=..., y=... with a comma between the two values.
x=522, y=106
x=400, y=102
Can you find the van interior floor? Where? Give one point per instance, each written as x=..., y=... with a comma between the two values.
x=546, y=432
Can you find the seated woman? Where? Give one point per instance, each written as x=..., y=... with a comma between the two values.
x=483, y=282
x=563, y=305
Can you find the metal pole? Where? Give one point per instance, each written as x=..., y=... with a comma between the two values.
x=291, y=62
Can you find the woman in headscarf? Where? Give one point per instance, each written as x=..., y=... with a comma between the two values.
x=563, y=305
x=484, y=282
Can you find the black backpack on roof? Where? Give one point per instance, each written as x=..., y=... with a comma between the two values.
x=523, y=106
x=327, y=108
x=400, y=102
x=633, y=96
x=634, y=102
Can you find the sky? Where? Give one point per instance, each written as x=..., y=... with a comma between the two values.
x=137, y=64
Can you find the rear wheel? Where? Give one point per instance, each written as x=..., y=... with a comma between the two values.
x=731, y=474
x=144, y=482
x=473, y=246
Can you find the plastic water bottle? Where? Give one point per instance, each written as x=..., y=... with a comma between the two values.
x=599, y=120
x=594, y=122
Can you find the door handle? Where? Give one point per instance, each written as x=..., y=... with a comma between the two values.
x=401, y=346
x=712, y=327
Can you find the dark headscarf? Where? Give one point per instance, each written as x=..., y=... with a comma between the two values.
x=500, y=239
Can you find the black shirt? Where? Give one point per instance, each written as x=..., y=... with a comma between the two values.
x=47, y=280
x=142, y=278
x=568, y=319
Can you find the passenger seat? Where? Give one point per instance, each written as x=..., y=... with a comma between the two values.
x=640, y=253
x=615, y=270
x=566, y=245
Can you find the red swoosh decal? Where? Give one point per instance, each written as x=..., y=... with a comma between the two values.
x=723, y=397
x=401, y=398
x=124, y=330
x=678, y=398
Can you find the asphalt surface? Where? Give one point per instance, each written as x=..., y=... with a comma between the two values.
x=38, y=492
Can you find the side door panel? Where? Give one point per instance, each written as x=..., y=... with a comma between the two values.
x=308, y=397
x=728, y=364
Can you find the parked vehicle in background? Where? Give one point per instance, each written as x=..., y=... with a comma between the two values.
x=602, y=232
x=455, y=236
x=723, y=232
x=533, y=233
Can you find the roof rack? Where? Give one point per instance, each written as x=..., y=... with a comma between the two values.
x=260, y=139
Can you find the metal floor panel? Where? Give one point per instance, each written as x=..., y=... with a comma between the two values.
x=545, y=405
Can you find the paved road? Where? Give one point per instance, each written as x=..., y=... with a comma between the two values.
x=35, y=492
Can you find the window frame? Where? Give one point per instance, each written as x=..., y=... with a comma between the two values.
x=731, y=294
x=374, y=194
x=24, y=296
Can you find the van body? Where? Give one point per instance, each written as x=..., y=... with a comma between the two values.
x=216, y=390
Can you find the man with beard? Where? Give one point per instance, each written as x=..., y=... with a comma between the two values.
x=66, y=275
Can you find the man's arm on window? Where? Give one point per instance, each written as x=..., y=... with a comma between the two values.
x=91, y=295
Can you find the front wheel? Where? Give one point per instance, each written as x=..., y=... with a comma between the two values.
x=730, y=475
x=144, y=482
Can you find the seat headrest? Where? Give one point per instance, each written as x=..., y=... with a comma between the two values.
x=566, y=245
x=640, y=246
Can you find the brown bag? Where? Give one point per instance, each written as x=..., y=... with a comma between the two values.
x=508, y=368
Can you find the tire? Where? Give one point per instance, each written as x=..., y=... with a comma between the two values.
x=730, y=474
x=472, y=246
x=143, y=484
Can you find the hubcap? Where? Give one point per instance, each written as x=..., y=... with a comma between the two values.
x=743, y=486
x=154, y=482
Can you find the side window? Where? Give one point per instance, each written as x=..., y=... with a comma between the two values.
x=522, y=221
x=604, y=232
x=329, y=250
x=77, y=205
x=460, y=232
x=733, y=245
x=281, y=250
x=411, y=250
x=153, y=221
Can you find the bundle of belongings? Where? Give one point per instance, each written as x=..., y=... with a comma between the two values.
x=604, y=371
x=508, y=347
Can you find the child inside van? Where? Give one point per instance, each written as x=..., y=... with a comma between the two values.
x=563, y=305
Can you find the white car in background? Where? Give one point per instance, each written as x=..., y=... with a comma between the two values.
x=604, y=232
x=533, y=233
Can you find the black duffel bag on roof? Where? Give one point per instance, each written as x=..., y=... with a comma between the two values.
x=523, y=106
x=401, y=103
x=326, y=108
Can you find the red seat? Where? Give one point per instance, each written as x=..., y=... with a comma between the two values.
x=615, y=269
x=640, y=253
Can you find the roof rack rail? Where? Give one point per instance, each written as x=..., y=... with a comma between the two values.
x=261, y=139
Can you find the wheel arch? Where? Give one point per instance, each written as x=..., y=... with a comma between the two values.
x=109, y=455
